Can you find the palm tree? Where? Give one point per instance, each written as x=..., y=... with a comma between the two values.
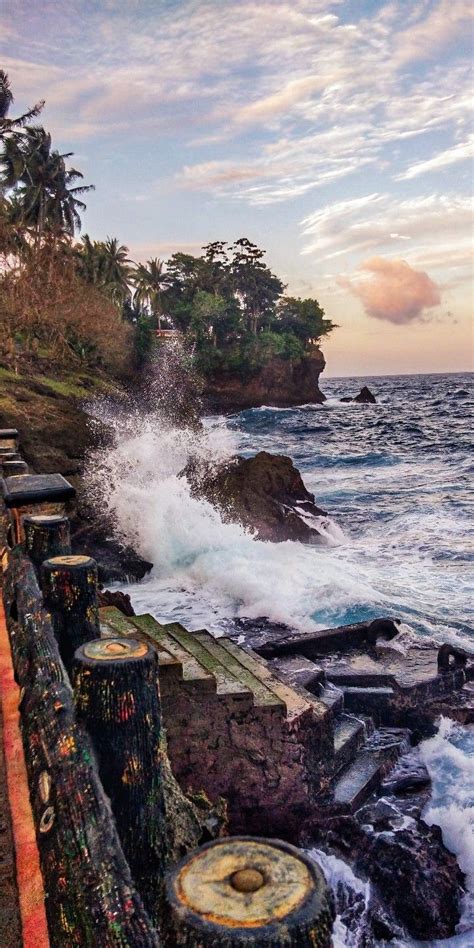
x=43, y=183
x=106, y=264
x=6, y=100
x=150, y=281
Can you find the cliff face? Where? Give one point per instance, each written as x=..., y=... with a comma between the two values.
x=282, y=382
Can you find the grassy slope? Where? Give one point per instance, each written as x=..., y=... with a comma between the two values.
x=54, y=429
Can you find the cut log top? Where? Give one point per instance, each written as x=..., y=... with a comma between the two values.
x=113, y=650
x=214, y=883
x=249, y=891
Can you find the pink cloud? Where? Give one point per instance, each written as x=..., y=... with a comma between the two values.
x=393, y=291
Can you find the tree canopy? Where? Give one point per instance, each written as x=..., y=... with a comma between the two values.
x=226, y=303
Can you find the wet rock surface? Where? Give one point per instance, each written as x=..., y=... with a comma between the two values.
x=117, y=562
x=416, y=884
x=264, y=493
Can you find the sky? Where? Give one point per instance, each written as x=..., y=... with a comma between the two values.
x=336, y=134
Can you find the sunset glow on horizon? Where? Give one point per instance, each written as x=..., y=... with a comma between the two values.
x=335, y=135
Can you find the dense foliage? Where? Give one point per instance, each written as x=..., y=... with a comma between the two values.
x=87, y=300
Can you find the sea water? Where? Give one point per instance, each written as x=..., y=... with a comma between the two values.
x=396, y=481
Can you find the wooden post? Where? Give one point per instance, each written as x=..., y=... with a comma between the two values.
x=13, y=468
x=46, y=536
x=116, y=692
x=8, y=439
x=69, y=585
x=248, y=891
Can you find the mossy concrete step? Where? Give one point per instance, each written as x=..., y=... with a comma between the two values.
x=192, y=670
x=349, y=735
x=175, y=662
x=227, y=682
x=295, y=702
x=263, y=693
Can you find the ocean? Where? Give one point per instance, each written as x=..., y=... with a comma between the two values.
x=396, y=481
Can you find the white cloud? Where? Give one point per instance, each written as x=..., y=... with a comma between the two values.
x=438, y=227
x=459, y=152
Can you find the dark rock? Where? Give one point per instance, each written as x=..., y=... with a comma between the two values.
x=414, y=877
x=282, y=382
x=382, y=628
x=365, y=396
x=117, y=562
x=119, y=600
x=264, y=493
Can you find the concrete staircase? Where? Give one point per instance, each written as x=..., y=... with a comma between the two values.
x=233, y=727
x=269, y=736
x=361, y=755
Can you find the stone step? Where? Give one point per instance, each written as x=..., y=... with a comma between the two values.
x=296, y=703
x=193, y=671
x=299, y=671
x=175, y=661
x=372, y=701
x=349, y=735
x=373, y=761
x=263, y=695
x=227, y=682
x=333, y=699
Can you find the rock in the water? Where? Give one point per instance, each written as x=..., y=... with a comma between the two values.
x=281, y=382
x=366, y=396
x=118, y=599
x=414, y=877
x=264, y=493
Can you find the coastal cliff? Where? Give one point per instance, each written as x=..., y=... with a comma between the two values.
x=281, y=382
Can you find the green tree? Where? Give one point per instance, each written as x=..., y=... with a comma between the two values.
x=106, y=264
x=45, y=189
x=150, y=282
x=304, y=318
x=9, y=125
x=255, y=285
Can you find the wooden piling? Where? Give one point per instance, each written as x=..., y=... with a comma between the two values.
x=249, y=891
x=69, y=585
x=116, y=693
x=13, y=468
x=46, y=537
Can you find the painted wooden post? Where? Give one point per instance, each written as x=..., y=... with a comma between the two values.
x=46, y=536
x=8, y=439
x=69, y=585
x=116, y=691
x=13, y=468
x=248, y=891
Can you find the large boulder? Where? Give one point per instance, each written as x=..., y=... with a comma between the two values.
x=264, y=493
